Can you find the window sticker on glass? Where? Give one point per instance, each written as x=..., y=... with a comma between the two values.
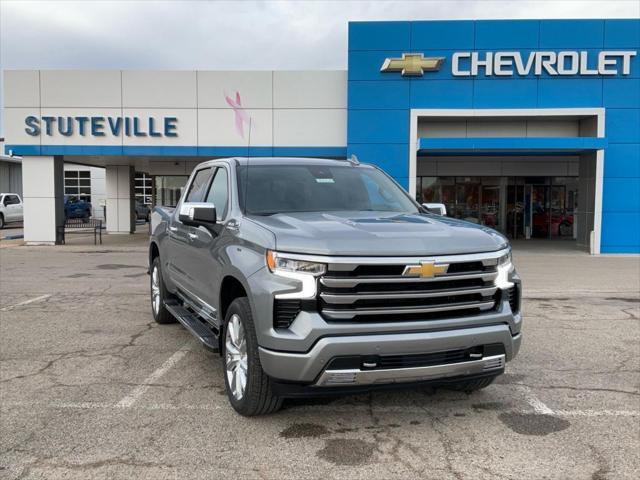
x=322, y=175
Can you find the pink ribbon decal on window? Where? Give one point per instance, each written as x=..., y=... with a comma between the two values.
x=241, y=115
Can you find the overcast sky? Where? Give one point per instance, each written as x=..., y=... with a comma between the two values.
x=150, y=34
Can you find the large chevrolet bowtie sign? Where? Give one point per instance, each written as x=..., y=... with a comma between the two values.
x=471, y=64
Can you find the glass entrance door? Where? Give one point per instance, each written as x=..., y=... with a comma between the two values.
x=467, y=202
x=515, y=211
x=540, y=211
x=490, y=206
x=561, y=212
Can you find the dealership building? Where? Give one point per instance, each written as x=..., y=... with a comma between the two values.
x=531, y=127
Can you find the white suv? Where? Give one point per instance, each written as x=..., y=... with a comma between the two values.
x=10, y=208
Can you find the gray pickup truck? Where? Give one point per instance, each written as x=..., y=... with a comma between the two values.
x=318, y=276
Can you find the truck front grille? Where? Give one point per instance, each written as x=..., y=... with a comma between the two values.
x=378, y=291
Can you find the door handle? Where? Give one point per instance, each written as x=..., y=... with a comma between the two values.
x=193, y=236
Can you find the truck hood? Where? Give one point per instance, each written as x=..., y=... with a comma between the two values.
x=378, y=234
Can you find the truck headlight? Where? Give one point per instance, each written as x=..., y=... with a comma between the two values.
x=301, y=270
x=505, y=259
x=505, y=267
x=278, y=262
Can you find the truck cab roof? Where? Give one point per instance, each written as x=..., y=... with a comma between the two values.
x=285, y=161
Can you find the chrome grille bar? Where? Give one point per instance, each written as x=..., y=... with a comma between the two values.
x=339, y=298
x=350, y=282
x=350, y=314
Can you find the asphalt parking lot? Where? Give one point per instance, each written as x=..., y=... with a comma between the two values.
x=92, y=388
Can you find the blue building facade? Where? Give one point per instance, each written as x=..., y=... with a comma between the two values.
x=586, y=71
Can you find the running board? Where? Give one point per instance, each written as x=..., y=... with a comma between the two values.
x=195, y=326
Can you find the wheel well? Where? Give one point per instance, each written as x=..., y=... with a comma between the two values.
x=230, y=290
x=153, y=253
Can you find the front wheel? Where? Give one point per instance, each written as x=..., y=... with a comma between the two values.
x=1, y=221
x=248, y=387
x=565, y=229
x=158, y=295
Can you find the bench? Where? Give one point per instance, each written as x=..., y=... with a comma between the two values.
x=81, y=226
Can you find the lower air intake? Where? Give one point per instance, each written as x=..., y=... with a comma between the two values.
x=285, y=312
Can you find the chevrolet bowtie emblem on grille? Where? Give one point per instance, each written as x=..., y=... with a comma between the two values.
x=425, y=270
x=412, y=64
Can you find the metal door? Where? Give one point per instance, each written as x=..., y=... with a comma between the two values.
x=181, y=236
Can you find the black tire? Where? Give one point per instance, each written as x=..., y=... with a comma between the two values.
x=473, y=385
x=160, y=313
x=258, y=397
x=565, y=229
x=1, y=221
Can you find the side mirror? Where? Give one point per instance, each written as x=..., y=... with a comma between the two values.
x=198, y=214
x=435, y=208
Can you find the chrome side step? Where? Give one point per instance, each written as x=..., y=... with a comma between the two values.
x=337, y=378
x=194, y=325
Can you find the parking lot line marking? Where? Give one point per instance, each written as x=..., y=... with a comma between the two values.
x=301, y=409
x=597, y=413
x=26, y=302
x=140, y=390
x=538, y=405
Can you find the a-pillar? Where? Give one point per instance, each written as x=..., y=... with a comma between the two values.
x=43, y=197
x=120, y=199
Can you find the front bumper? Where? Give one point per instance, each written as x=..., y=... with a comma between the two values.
x=309, y=367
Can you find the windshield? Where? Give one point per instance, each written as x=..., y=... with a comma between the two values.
x=319, y=188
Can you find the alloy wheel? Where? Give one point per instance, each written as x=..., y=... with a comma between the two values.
x=155, y=291
x=236, y=357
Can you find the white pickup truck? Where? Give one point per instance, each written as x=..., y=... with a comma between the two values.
x=10, y=208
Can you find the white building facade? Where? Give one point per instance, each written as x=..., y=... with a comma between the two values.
x=162, y=123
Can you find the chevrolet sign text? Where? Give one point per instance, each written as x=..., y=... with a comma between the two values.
x=471, y=64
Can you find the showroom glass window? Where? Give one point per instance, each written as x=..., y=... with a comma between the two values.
x=78, y=183
x=144, y=187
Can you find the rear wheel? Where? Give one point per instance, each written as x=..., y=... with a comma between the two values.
x=473, y=385
x=248, y=387
x=158, y=295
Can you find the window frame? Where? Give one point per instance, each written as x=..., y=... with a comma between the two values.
x=221, y=216
x=207, y=185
